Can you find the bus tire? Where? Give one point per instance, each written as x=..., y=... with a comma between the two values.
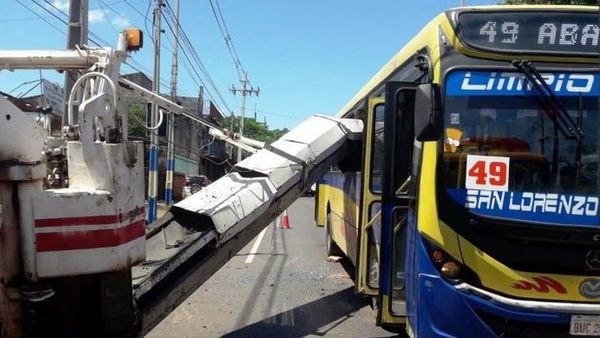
x=332, y=249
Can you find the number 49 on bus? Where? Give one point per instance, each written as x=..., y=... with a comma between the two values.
x=487, y=172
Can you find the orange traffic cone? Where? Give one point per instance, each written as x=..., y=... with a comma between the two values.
x=285, y=221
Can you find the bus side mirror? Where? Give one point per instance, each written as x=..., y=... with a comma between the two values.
x=428, y=112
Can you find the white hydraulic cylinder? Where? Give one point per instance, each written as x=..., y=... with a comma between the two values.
x=47, y=59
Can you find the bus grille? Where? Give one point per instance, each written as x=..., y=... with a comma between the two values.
x=510, y=328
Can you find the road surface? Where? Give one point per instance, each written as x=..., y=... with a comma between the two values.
x=279, y=285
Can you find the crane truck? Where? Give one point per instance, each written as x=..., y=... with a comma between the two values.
x=77, y=259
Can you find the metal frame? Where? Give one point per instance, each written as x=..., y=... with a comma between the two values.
x=570, y=308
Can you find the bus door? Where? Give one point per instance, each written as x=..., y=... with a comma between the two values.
x=397, y=198
x=367, y=267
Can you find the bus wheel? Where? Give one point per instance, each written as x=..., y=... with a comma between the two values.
x=332, y=249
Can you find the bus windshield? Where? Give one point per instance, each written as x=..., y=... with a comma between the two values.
x=505, y=155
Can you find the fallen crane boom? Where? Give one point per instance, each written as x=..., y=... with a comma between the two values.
x=202, y=232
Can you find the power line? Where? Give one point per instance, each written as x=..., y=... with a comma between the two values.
x=227, y=37
x=146, y=20
x=197, y=72
x=66, y=23
x=100, y=41
x=135, y=8
x=194, y=72
x=190, y=150
x=19, y=19
x=278, y=115
x=132, y=63
x=109, y=7
x=38, y=17
x=191, y=51
x=41, y=17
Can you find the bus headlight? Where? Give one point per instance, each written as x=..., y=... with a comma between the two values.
x=450, y=268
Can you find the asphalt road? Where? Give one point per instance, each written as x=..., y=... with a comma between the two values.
x=287, y=289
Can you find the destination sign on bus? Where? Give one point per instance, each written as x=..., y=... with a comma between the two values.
x=535, y=32
x=486, y=83
x=564, y=209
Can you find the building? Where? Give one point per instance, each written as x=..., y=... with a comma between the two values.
x=196, y=152
x=51, y=103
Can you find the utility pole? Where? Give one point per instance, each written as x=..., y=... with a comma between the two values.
x=171, y=119
x=462, y=3
x=244, y=91
x=153, y=158
x=201, y=102
x=77, y=36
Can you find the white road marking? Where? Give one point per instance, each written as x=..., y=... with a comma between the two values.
x=255, y=246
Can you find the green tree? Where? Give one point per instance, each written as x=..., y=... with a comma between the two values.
x=550, y=2
x=254, y=130
x=136, y=120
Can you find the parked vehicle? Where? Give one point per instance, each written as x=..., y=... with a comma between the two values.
x=193, y=184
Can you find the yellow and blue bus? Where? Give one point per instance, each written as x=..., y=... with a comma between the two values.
x=473, y=210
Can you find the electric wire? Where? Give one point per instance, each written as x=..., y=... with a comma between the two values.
x=138, y=67
x=41, y=17
x=198, y=78
x=133, y=63
x=49, y=3
x=100, y=41
x=140, y=123
x=242, y=74
x=185, y=43
x=21, y=95
x=226, y=161
x=195, y=67
x=194, y=75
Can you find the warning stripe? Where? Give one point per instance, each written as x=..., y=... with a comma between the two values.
x=79, y=240
x=86, y=220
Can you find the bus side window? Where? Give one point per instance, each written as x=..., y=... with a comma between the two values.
x=377, y=157
x=352, y=163
x=403, y=143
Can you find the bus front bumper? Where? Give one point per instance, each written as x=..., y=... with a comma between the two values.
x=462, y=310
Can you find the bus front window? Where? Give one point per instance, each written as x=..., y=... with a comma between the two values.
x=500, y=143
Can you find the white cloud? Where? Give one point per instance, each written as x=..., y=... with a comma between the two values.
x=61, y=5
x=120, y=22
x=96, y=15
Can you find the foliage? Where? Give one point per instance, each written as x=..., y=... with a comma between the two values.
x=254, y=129
x=135, y=119
x=550, y=2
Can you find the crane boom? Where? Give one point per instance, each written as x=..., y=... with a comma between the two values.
x=205, y=230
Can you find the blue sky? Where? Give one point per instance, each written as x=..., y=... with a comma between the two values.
x=307, y=56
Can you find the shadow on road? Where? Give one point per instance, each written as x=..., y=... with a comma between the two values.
x=306, y=319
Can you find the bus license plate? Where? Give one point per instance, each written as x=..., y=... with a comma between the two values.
x=585, y=325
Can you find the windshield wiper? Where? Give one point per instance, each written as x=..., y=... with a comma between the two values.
x=551, y=104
